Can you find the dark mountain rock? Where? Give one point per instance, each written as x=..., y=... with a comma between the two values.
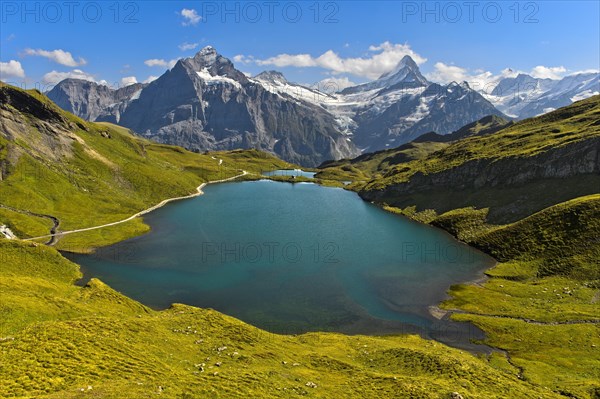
x=204, y=103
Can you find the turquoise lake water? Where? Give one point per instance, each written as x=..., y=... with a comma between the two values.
x=291, y=258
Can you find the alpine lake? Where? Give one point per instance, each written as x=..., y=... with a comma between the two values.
x=292, y=258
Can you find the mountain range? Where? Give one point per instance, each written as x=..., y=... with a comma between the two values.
x=205, y=103
x=524, y=96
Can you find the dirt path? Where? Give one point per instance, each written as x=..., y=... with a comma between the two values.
x=54, y=235
x=53, y=229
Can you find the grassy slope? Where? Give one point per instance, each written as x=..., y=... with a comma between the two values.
x=106, y=174
x=542, y=301
x=58, y=338
x=543, y=295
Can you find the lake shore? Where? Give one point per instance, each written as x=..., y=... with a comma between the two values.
x=56, y=236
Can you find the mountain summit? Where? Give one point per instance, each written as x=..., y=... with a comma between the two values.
x=406, y=63
x=273, y=77
x=405, y=74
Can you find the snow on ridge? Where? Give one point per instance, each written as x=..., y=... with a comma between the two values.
x=135, y=95
x=583, y=95
x=421, y=111
x=296, y=91
x=212, y=80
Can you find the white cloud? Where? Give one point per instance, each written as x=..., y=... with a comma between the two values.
x=128, y=80
x=161, y=63
x=480, y=80
x=59, y=56
x=284, y=60
x=543, y=72
x=444, y=73
x=190, y=17
x=187, y=46
x=333, y=85
x=381, y=59
x=11, y=69
x=54, y=77
x=150, y=78
x=243, y=59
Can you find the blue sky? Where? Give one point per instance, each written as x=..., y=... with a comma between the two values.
x=42, y=42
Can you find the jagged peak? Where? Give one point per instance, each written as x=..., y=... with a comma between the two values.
x=523, y=76
x=271, y=76
x=207, y=56
x=207, y=50
x=405, y=62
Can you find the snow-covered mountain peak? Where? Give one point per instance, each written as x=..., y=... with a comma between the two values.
x=524, y=96
x=405, y=62
x=406, y=75
x=207, y=56
x=273, y=77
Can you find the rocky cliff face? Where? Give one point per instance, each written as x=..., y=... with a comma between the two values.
x=19, y=113
x=93, y=101
x=560, y=163
x=503, y=182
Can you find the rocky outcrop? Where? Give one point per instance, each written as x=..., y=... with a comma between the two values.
x=92, y=101
x=511, y=186
x=563, y=162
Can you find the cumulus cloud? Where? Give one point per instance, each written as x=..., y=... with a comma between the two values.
x=59, y=56
x=333, y=85
x=188, y=46
x=11, y=69
x=543, y=72
x=161, y=63
x=380, y=59
x=150, y=78
x=243, y=59
x=128, y=80
x=54, y=77
x=190, y=17
x=479, y=80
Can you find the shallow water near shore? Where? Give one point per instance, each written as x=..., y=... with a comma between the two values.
x=291, y=258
